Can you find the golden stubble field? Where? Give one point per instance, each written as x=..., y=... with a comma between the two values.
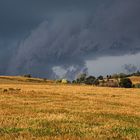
x=71, y=112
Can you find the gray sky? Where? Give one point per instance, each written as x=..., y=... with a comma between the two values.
x=65, y=37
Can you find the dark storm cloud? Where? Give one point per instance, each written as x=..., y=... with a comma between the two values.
x=130, y=68
x=19, y=16
x=71, y=32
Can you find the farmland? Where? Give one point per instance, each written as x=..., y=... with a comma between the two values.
x=37, y=109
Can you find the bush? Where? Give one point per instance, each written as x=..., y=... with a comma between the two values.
x=96, y=82
x=122, y=75
x=100, y=77
x=81, y=78
x=58, y=81
x=27, y=75
x=90, y=80
x=125, y=82
x=74, y=82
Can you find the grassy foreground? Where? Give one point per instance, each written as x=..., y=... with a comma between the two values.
x=50, y=111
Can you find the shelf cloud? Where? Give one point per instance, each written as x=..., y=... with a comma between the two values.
x=67, y=36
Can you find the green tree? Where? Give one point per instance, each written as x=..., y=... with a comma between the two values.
x=125, y=82
x=90, y=80
x=100, y=77
x=122, y=75
x=81, y=78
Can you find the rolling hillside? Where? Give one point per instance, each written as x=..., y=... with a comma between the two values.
x=34, y=109
x=135, y=79
x=22, y=79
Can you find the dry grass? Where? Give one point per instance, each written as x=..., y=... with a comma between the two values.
x=135, y=79
x=22, y=79
x=50, y=111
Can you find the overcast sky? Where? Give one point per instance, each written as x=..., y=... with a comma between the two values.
x=47, y=38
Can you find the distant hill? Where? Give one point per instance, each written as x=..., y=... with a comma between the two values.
x=22, y=79
x=135, y=79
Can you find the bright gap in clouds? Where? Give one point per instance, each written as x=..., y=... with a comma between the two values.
x=105, y=65
x=111, y=65
x=59, y=71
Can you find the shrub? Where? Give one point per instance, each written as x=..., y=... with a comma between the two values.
x=100, y=77
x=81, y=78
x=27, y=75
x=122, y=75
x=90, y=80
x=58, y=81
x=125, y=82
x=74, y=82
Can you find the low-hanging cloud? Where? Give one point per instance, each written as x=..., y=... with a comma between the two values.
x=130, y=68
x=71, y=38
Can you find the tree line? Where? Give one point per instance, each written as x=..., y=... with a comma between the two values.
x=115, y=80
